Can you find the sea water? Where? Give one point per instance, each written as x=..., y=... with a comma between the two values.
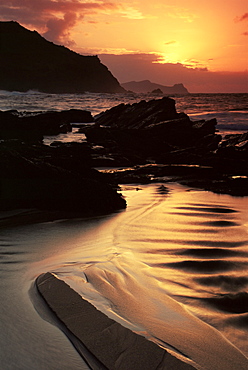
x=171, y=246
x=230, y=110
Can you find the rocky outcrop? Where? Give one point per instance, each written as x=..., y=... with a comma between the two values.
x=59, y=179
x=138, y=115
x=29, y=62
x=152, y=132
x=33, y=126
x=151, y=137
x=164, y=143
x=54, y=180
x=232, y=153
x=147, y=86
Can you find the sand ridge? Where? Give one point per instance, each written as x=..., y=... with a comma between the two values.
x=102, y=342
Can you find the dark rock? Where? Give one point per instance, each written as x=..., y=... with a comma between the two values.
x=152, y=131
x=159, y=143
x=28, y=61
x=232, y=153
x=33, y=126
x=239, y=140
x=53, y=179
x=220, y=184
x=138, y=115
x=203, y=128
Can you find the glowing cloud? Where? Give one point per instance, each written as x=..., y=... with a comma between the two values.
x=55, y=19
x=159, y=38
x=181, y=13
x=138, y=67
x=57, y=29
x=132, y=13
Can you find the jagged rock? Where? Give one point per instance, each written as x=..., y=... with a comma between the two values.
x=33, y=126
x=138, y=115
x=50, y=180
x=152, y=131
x=61, y=177
x=232, y=154
x=239, y=141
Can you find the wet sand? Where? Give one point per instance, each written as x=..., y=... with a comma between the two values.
x=172, y=268
x=147, y=248
x=102, y=342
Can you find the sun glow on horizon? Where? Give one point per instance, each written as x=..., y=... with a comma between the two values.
x=197, y=35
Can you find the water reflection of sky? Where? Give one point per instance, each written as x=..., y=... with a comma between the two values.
x=168, y=248
x=172, y=243
x=73, y=136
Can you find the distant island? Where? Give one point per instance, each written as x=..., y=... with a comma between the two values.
x=30, y=62
x=148, y=86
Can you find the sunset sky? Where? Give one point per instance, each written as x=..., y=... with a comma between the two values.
x=202, y=44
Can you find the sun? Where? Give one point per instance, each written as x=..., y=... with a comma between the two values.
x=181, y=52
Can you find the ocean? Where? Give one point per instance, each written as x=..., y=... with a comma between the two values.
x=172, y=250
x=230, y=110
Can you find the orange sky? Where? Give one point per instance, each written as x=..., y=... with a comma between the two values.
x=202, y=44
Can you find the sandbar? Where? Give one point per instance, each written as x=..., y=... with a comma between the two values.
x=102, y=342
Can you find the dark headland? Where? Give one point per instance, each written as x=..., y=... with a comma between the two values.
x=30, y=62
x=147, y=86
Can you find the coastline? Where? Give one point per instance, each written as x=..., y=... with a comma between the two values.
x=207, y=253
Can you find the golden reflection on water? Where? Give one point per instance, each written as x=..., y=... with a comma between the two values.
x=169, y=258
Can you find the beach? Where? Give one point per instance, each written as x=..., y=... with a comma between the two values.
x=123, y=186
x=156, y=253
x=103, y=343
x=147, y=283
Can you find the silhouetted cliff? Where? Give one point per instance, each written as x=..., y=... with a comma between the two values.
x=28, y=61
x=148, y=86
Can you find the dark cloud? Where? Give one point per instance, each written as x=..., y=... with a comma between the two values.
x=58, y=29
x=241, y=18
x=53, y=19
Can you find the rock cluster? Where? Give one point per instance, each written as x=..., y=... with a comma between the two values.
x=151, y=132
x=51, y=179
x=55, y=179
x=154, y=133
x=33, y=126
x=150, y=138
